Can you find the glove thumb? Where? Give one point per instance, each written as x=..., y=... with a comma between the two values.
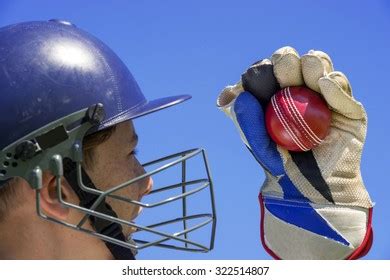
x=248, y=116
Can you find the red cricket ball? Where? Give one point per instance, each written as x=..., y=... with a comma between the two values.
x=297, y=118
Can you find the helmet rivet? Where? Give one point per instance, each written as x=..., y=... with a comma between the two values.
x=95, y=114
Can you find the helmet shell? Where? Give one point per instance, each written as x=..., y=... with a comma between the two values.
x=50, y=69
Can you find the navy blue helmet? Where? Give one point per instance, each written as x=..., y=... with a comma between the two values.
x=50, y=69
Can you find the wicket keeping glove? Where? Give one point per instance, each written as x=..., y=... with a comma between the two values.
x=313, y=204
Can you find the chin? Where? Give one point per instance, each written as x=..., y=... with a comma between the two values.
x=127, y=230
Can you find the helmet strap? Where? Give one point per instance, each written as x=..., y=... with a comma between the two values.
x=101, y=226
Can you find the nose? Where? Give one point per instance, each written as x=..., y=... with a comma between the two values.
x=149, y=186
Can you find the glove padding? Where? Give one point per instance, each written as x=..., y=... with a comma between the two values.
x=313, y=204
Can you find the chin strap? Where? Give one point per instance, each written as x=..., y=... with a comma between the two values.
x=101, y=226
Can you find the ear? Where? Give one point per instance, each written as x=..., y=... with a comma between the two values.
x=50, y=203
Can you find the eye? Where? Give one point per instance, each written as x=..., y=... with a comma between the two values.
x=134, y=152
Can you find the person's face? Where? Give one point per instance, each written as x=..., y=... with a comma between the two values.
x=115, y=163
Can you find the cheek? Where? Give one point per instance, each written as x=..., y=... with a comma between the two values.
x=112, y=173
x=118, y=176
x=120, y=172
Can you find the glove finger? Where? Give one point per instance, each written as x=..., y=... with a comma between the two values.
x=287, y=67
x=315, y=65
x=337, y=92
x=259, y=79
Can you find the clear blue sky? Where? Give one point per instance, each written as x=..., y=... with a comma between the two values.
x=198, y=47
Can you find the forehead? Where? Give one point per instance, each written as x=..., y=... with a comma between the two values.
x=124, y=135
x=125, y=131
